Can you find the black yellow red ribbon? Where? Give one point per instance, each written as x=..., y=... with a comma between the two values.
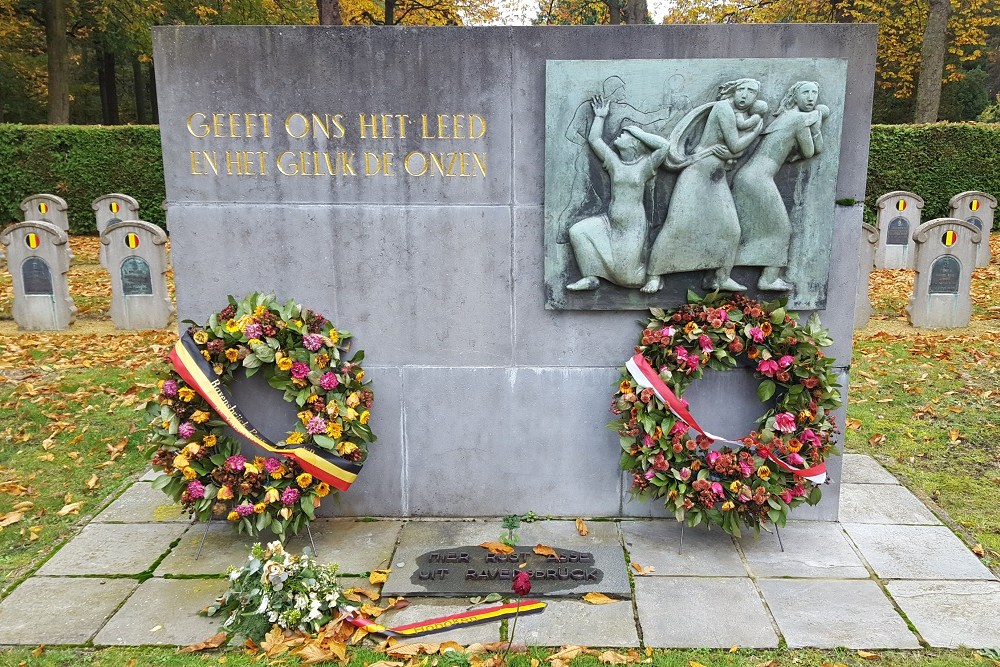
x=442, y=623
x=324, y=465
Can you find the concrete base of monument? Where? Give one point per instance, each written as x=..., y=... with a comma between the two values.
x=825, y=584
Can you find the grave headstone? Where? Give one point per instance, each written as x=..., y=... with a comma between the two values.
x=38, y=261
x=111, y=208
x=137, y=261
x=898, y=219
x=946, y=251
x=977, y=208
x=866, y=261
x=394, y=207
x=48, y=208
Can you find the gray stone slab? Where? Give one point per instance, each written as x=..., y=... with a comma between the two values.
x=441, y=294
x=690, y=612
x=812, y=549
x=578, y=623
x=356, y=547
x=149, y=475
x=510, y=456
x=224, y=548
x=164, y=611
x=257, y=70
x=883, y=503
x=141, y=503
x=51, y=610
x=863, y=469
x=951, y=614
x=827, y=614
x=916, y=552
x=421, y=609
x=419, y=538
x=109, y=548
x=704, y=552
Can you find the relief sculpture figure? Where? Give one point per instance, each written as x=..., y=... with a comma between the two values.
x=611, y=245
x=702, y=231
x=795, y=134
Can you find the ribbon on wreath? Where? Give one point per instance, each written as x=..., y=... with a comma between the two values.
x=431, y=625
x=197, y=372
x=647, y=378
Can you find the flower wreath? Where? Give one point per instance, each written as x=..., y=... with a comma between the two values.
x=756, y=479
x=298, y=352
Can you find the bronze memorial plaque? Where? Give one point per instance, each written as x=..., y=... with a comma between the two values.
x=473, y=570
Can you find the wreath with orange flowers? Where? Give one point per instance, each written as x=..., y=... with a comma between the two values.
x=298, y=352
x=754, y=480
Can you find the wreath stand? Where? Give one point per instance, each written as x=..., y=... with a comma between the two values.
x=312, y=542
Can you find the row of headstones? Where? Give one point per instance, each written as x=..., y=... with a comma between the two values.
x=133, y=252
x=899, y=216
x=945, y=251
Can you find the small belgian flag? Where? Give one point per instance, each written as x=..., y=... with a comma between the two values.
x=31, y=240
x=949, y=238
x=974, y=204
x=901, y=205
x=115, y=207
x=43, y=208
x=132, y=240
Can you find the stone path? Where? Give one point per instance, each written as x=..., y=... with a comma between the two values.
x=890, y=575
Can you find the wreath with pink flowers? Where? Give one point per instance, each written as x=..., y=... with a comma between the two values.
x=754, y=480
x=299, y=353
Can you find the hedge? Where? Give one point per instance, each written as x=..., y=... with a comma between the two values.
x=81, y=163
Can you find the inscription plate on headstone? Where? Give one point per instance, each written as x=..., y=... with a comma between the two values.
x=945, y=275
x=37, y=277
x=898, y=232
x=473, y=570
x=135, y=277
x=975, y=221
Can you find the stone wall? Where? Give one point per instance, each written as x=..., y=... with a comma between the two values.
x=487, y=403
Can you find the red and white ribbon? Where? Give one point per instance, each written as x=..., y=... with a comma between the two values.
x=647, y=378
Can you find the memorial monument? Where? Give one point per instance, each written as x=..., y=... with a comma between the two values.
x=977, y=208
x=136, y=256
x=437, y=191
x=945, y=259
x=112, y=208
x=38, y=260
x=898, y=219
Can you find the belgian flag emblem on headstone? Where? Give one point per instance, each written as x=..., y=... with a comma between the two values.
x=901, y=205
x=949, y=238
x=43, y=208
x=974, y=204
x=132, y=240
x=31, y=240
x=115, y=207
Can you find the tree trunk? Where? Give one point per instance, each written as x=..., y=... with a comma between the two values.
x=106, y=74
x=153, y=106
x=329, y=12
x=636, y=12
x=932, y=62
x=838, y=11
x=139, y=89
x=57, y=47
x=615, y=10
x=390, y=12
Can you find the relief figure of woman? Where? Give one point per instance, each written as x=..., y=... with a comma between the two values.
x=794, y=134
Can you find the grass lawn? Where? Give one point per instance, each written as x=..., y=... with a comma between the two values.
x=925, y=404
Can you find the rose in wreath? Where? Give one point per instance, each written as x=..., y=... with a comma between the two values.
x=298, y=352
x=752, y=480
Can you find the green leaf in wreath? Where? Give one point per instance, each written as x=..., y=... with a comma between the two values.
x=325, y=442
x=766, y=390
x=814, y=496
x=778, y=316
x=161, y=481
x=693, y=297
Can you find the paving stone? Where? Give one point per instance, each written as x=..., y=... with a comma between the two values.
x=883, y=503
x=863, y=469
x=692, y=612
x=55, y=610
x=704, y=552
x=423, y=609
x=150, y=475
x=420, y=537
x=113, y=548
x=224, y=548
x=916, y=552
x=355, y=546
x=950, y=614
x=826, y=614
x=577, y=623
x=141, y=503
x=164, y=611
x=812, y=549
